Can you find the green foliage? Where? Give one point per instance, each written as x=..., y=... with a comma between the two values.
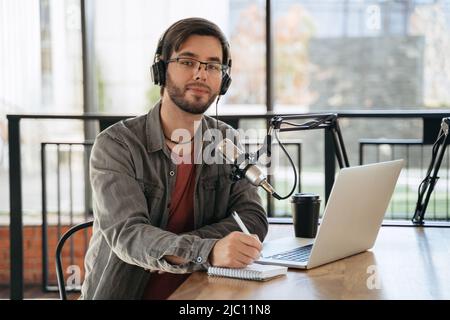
x=100, y=88
x=153, y=94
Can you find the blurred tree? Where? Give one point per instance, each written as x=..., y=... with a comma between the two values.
x=153, y=95
x=430, y=21
x=293, y=31
x=248, y=53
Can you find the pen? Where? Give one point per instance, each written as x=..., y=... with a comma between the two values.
x=241, y=224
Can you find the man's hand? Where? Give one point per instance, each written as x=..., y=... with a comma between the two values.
x=236, y=250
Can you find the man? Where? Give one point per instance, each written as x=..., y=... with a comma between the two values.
x=155, y=219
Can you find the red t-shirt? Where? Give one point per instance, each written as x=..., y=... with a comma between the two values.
x=181, y=219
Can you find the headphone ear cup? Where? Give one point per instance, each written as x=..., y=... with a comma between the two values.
x=159, y=73
x=226, y=82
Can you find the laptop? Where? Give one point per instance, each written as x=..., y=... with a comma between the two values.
x=351, y=220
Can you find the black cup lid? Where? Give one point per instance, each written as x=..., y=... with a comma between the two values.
x=305, y=197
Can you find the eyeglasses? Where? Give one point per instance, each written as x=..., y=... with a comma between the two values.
x=214, y=69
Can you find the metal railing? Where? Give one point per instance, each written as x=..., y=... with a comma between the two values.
x=73, y=214
x=417, y=158
x=15, y=184
x=431, y=124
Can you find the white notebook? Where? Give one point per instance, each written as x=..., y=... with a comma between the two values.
x=254, y=271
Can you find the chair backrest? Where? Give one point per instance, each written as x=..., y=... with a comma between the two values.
x=59, y=248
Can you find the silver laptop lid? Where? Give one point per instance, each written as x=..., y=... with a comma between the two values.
x=355, y=211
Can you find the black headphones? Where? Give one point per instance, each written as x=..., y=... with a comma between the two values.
x=159, y=67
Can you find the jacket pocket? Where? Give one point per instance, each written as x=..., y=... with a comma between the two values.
x=154, y=195
x=214, y=197
x=207, y=199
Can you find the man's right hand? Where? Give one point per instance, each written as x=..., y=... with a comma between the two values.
x=236, y=250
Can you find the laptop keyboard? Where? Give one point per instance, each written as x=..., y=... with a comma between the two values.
x=300, y=254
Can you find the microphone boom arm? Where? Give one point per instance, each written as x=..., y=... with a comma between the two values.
x=431, y=178
x=326, y=121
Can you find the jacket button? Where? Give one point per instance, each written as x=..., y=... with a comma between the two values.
x=172, y=173
x=199, y=260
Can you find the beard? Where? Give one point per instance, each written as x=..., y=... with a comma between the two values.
x=177, y=95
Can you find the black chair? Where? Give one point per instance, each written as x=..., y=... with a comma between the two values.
x=59, y=247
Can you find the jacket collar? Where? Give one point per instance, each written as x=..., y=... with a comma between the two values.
x=154, y=132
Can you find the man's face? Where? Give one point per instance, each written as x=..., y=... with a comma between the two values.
x=194, y=90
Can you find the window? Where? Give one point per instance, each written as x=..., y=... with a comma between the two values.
x=328, y=55
x=334, y=55
x=126, y=35
x=349, y=54
x=41, y=72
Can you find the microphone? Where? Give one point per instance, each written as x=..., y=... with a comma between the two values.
x=232, y=154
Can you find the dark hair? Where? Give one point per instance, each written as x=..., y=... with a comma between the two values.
x=178, y=33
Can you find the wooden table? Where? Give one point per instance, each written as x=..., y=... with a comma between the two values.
x=405, y=263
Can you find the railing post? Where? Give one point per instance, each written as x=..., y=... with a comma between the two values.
x=15, y=198
x=44, y=219
x=330, y=163
x=361, y=153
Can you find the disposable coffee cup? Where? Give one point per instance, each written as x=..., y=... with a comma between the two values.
x=305, y=214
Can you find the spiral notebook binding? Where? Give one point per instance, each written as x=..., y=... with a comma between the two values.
x=234, y=273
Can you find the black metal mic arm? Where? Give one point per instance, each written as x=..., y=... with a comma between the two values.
x=326, y=121
x=277, y=124
x=427, y=185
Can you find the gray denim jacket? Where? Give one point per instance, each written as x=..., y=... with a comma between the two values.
x=132, y=178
